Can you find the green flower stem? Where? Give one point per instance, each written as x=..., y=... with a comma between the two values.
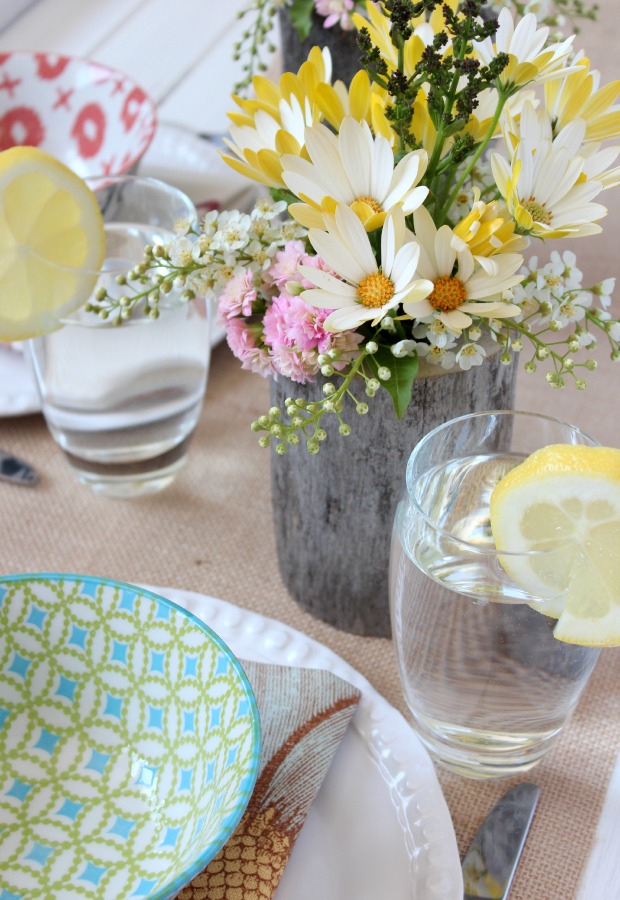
x=503, y=97
x=447, y=110
x=310, y=426
x=555, y=358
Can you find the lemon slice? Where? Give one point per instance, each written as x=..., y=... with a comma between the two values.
x=51, y=241
x=564, y=501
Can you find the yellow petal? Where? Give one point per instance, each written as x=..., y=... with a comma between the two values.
x=307, y=215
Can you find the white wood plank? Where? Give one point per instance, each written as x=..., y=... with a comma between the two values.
x=202, y=99
x=161, y=42
x=67, y=26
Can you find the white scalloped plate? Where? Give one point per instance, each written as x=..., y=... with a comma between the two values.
x=379, y=828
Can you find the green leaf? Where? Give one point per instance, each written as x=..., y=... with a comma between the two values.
x=300, y=12
x=404, y=370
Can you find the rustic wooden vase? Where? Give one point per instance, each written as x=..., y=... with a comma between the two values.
x=333, y=512
x=342, y=46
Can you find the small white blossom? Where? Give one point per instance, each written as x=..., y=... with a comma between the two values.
x=614, y=331
x=180, y=251
x=232, y=233
x=265, y=208
x=470, y=355
x=437, y=356
x=404, y=348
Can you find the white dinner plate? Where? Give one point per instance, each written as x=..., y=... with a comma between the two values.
x=194, y=165
x=379, y=828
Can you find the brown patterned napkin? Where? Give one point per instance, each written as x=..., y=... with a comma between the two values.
x=304, y=715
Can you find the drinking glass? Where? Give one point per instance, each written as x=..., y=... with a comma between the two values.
x=488, y=686
x=122, y=401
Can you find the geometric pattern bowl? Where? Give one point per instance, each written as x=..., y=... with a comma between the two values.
x=96, y=120
x=129, y=741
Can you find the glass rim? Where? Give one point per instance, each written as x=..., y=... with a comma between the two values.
x=475, y=548
x=111, y=180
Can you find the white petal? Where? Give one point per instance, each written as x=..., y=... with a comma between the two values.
x=325, y=300
x=353, y=236
x=455, y=320
x=382, y=169
x=445, y=254
x=418, y=309
x=487, y=263
x=337, y=255
x=413, y=199
x=326, y=281
x=355, y=148
x=416, y=292
x=349, y=318
x=405, y=265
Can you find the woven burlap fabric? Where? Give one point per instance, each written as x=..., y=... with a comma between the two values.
x=211, y=532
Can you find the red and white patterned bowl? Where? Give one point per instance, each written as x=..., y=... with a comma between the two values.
x=96, y=120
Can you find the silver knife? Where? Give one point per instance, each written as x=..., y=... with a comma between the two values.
x=16, y=470
x=489, y=864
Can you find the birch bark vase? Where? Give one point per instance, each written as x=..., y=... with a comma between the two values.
x=342, y=46
x=333, y=512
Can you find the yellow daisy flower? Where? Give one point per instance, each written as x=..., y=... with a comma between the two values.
x=273, y=122
x=489, y=229
x=579, y=96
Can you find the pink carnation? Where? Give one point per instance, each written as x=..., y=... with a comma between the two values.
x=238, y=297
x=284, y=267
x=242, y=340
x=336, y=12
x=294, y=331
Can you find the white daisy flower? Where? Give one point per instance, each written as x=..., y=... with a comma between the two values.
x=355, y=168
x=545, y=184
x=367, y=291
x=532, y=59
x=475, y=289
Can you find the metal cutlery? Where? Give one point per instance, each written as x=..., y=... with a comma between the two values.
x=16, y=470
x=491, y=860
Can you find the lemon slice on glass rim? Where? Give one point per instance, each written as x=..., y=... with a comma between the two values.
x=564, y=501
x=52, y=242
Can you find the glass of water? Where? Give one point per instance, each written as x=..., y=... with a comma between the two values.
x=488, y=686
x=122, y=401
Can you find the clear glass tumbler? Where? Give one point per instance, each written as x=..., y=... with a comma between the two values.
x=122, y=401
x=488, y=686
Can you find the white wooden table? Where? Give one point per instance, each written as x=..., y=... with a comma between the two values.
x=181, y=54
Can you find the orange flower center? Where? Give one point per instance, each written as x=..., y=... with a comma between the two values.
x=375, y=290
x=376, y=207
x=538, y=211
x=448, y=293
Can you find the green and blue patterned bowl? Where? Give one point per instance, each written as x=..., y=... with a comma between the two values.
x=129, y=741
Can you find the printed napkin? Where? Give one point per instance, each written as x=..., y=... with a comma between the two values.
x=304, y=715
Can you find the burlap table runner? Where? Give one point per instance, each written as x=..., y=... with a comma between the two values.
x=211, y=532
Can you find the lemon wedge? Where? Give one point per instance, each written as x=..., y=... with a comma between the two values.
x=51, y=241
x=564, y=501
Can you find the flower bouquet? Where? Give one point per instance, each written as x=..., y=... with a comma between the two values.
x=396, y=240
x=412, y=196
